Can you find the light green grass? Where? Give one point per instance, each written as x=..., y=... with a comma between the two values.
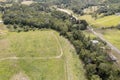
x=34, y=44
x=107, y=21
x=43, y=69
x=39, y=44
x=7, y=69
x=88, y=18
x=89, y=34
x=34, y=69
x=75, y=65
x=113, y=37
x=31, y=44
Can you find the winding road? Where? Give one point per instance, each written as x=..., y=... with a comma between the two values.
x=92, y=30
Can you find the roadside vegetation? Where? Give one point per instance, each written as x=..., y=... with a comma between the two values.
x=21, y=18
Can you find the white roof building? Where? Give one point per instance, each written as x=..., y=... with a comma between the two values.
x=95, y=41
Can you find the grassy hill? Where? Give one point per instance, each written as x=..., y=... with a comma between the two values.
x=38, y=55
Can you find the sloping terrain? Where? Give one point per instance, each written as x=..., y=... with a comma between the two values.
x=38, y=55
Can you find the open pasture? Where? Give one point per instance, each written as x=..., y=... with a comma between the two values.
x=107, y=21
x=38, y=55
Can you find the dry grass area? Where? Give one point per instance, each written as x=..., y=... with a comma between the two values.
x=2, y=0
x=27, y=2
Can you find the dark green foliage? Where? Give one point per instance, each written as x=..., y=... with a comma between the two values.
x=25, y=18
x=60, y=15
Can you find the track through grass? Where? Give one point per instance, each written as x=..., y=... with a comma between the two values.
x=37, y=56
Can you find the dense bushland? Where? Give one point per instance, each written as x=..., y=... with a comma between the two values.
x=39, y=15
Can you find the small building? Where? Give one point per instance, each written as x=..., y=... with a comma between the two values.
x=95, y=41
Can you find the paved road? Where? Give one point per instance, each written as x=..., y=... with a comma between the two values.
x=101, y=37
x=92, y=30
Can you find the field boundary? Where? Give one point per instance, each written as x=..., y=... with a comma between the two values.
x=37, y=58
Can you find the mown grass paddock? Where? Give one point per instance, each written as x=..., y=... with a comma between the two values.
x=106, y=21
x=38, y=55
x=113, y=36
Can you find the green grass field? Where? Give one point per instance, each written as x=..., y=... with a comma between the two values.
x=35, y=44
x=89, y=34
x=36, y=55
x=34, y=69
x=113, y=37
x=107, y=21
x=30, y=44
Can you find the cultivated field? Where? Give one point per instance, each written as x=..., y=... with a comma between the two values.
x=38, y=55
x=107, y=21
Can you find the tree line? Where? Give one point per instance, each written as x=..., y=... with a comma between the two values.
x=37, y=16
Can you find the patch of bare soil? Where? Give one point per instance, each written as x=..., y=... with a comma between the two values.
x=20, y=76
x=27, y=2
